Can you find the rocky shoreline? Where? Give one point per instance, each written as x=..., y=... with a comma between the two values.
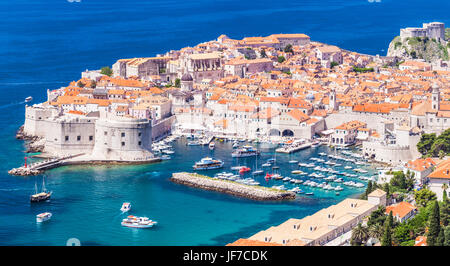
x=33, y=143
x=232, y=188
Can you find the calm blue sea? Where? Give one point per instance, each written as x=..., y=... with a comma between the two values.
x=46, y=44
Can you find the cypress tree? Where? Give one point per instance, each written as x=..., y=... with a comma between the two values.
x=447, y=236
x=369, y=188
x=387, y=236
x=441, y=238
x=435, y=226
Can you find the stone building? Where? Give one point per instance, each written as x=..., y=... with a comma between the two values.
x=435, y=30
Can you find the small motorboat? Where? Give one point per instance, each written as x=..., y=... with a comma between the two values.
x=309, y=193
x=165, y=157
x=293, y=161
x=268, y=176
x=244, y=169
x=297, y=172
x=258, y=172
x=212, y=145
x=126, y=206
x=267, y=165
x=42, y=217
x=138, y=222
x=28, y=99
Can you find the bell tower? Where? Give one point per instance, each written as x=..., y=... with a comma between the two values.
x=435, y=97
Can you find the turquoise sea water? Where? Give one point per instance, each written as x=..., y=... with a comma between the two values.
x=46, y=44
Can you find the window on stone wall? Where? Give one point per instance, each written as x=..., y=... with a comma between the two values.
x=91, y=138
x=139, y=143
x=123, y=143
x=67, y=138
x=122, y=134
x=78, y=138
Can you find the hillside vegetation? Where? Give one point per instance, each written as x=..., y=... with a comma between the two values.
x=420, y=48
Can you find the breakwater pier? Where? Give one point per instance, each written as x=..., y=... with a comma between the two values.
x=231, y=187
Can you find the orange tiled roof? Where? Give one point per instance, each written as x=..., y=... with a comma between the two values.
x=400, y=209
x=247, y=242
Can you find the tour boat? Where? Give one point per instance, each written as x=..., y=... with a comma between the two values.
x=208, y=163
x=126, y=206
x=212, y=145
x=41, y=196
x=138, y=222
x=244, y=169
x=42, y=217
x=28, y=99
x=245, y=151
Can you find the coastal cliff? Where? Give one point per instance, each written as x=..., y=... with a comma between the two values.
x=424, y=48
x=232, y=188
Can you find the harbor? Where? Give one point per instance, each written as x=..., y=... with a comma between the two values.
x=149, y=186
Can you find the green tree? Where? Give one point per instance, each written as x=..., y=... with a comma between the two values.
x=177, y=83
x=377, y=217
x=333, y=64
x=80, y=84
x=424, y=196
x=441, y=238
x=447, y=236
x=445, y=210
x=360, y=235
x=288, y=49
x=435, y=226
x=263, y=53
x=376, y=230
x=93, y=84
x=403, y=233
x=387, y=236
x=425, y=143
x=441, y=154
x=387, y=189
x=106, y=71
x=281, y=59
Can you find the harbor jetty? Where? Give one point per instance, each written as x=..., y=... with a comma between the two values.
x=231, y=187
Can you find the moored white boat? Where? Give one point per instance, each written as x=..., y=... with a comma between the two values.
x=208, y=163
x=126, y=206
x=42, y=217
x=138, y=222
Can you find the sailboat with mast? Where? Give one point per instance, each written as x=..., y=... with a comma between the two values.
x=257, y=171
x=41, y=196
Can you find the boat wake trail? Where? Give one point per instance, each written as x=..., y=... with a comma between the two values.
x=11, y=104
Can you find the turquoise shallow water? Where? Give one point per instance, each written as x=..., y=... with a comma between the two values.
x=44, y=44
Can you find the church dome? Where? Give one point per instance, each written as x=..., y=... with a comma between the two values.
x=186, y=77
x=310, y=96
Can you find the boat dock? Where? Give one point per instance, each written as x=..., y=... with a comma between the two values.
x=295, y=148
x=39, y=167
x=231, y=187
